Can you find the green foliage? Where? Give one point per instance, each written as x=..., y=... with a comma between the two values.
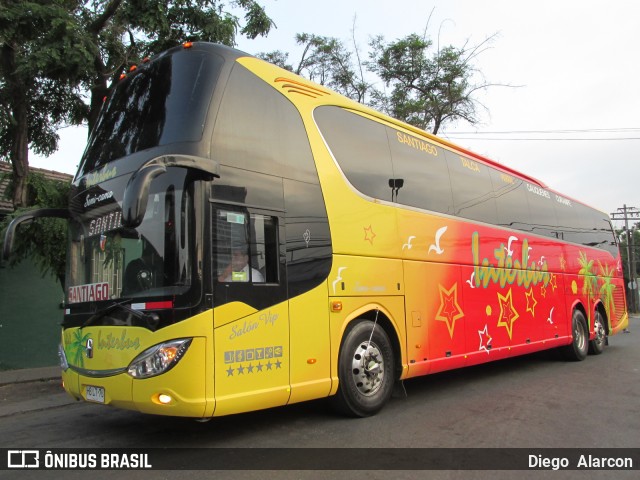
x=43, y=240
x=44, y=54
x=427, y=87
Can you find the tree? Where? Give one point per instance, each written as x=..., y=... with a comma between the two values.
x=326, y=61
x=126, y=31
x=44, y=241
x=630, y=266
x=54, y=51
x=43, y=57
x=427, y=88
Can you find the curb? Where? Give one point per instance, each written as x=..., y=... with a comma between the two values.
x=26, y=375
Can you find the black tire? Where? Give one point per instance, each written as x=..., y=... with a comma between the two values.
x=365, y=371
x=579, y=347
x=596, y=346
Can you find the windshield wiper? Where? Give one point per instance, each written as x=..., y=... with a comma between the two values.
x=98, y=315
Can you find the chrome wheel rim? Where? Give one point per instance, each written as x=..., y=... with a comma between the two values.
x=580, y=336
x=367, y=368
x=599, y=330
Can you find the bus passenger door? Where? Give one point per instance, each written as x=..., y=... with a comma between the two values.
x=251, y=318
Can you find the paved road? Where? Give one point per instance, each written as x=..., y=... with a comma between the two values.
x=537, y=401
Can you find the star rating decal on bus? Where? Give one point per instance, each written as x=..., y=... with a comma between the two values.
x=251, y=368
x=253, y=360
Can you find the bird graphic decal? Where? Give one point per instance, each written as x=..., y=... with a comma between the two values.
x=338, y=278
x=508, y=247
x=436, y=246
x=408, y=245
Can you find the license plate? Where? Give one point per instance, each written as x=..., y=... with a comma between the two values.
x=95, y=394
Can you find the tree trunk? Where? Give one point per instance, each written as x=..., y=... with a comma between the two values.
x=18, y=104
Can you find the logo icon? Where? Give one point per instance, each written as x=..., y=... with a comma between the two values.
x=89, y=348
x=23, y=459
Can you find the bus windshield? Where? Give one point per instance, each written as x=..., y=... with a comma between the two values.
x=108, y=261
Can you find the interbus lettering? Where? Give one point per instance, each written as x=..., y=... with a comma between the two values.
x=508, y=270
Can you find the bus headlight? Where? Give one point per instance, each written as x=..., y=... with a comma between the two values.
x=159, y=358
x=64, y=365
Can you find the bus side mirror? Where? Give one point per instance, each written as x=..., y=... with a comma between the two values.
x=27, y=217
x=136, y=194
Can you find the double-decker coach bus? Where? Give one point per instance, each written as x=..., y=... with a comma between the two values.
x=241, y=238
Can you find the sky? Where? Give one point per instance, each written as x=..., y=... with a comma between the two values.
x=572, y=107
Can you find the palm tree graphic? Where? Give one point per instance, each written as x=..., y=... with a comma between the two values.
x=607, y=288
x=77, y=347
x=590, y=280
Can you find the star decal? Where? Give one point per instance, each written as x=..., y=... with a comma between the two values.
x=369, y=235
x=553, y=282
x=485, y=339
x=543, y=291
x=449, y=310
x=531, y=302
x=230, y=372
x=508, y=314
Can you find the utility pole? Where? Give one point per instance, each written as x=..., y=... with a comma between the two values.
x=629, y=213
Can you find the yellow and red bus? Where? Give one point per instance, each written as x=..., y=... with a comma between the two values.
x=241, y=238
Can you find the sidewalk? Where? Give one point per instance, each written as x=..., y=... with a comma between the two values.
x=30, y=390
x=25, y=375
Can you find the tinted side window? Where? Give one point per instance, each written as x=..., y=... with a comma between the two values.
x=542, y=211
x=511, y=200
x=421, y=173
x=361, y=149
x=568, y=219
x=258, y=129
x=473, y=196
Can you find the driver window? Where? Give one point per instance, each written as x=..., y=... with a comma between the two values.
x=245, y=247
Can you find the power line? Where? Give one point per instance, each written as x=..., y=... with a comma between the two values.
x=541, y=139
x=587, y=130
x=480, y=135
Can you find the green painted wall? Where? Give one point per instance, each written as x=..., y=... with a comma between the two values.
x=30, y=317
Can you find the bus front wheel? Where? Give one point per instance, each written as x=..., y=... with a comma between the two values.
x=365, y=370
x=579, y=346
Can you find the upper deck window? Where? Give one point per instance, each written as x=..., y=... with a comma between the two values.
x=163, y=102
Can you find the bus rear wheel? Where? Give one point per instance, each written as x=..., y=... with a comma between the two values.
x=596, y=346
x=579, y=346
x=365, y=370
